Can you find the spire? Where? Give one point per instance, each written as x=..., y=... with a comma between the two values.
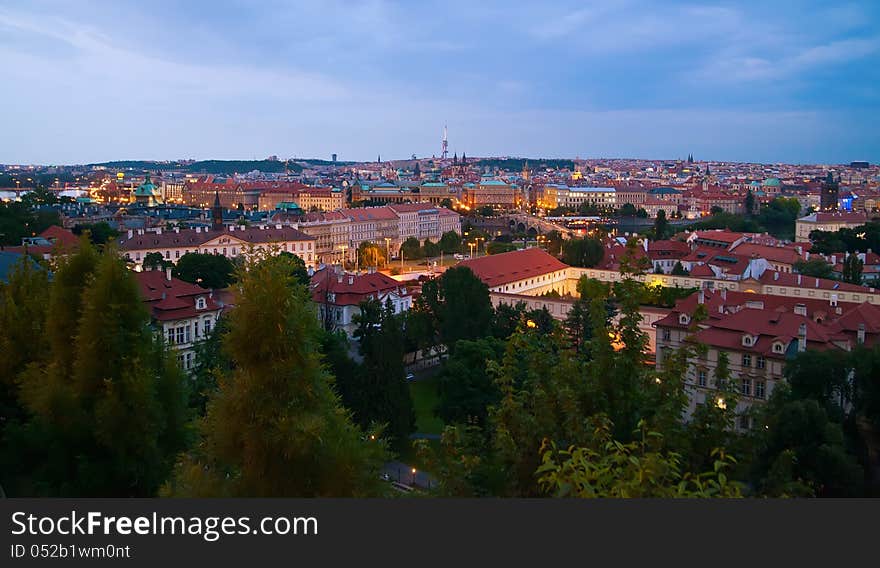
x=217, y=213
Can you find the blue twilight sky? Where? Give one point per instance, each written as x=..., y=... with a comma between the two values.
x=769, y=80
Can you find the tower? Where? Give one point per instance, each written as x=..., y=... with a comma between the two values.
x=830, y=193
x=525, y=171
x=217, y=213
x=444, y=154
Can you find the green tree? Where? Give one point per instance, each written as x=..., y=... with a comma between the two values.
x=383, y=396
x=371, y=254
x=430, y=249
x=507, y=318
x=638, y=469
x=275, y=428
x=110, y=414
x=585, y=253
x=450, y=242
x=852, y=269
x=486, y=211
x=816, y=267
x=154, y=261
x=679, y=270
x=661, y=225
x=411, y=249
x=207, y=270
x=627, y=210
x=459, y=303
x=466, y=389
x=296, y=265
x=749, y=202
x=99, y=233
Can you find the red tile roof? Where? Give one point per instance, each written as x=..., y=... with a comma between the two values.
x=352, y=289
x=498, y=269
x=189, y=237
x=173, y=299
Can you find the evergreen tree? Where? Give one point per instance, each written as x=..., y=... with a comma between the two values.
x=750, y=202
x=661, y=225
x=107, y=414
x=852, y=269
x=275, y=428
x=383, y=396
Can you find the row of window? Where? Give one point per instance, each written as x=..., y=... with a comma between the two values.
x=183, y=334
x=748, y=387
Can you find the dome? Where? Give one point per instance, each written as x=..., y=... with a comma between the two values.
x=771, y=182
x=147, y=189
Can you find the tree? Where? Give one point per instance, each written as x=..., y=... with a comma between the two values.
x=459, y=303
x=99, y=233
x=487, y=211
x=154, y=261
x=641, y=213
x=446, y=202
x=295, y=265
x=411, y=249
x=816, y=267
x=554, y=243
x=110, y=413
x=498, y=247
x=750, y=202
x=274, y=427
x=19, y=220
x=627, y=210
x=450, y=242
x=852, y=269
x=585, y=253
x=466, y=389
x=716, y=211
x=579, y=322
x=371, y=254
x=383, y=396
x=430, y=249
x=661, y=225
x=638, y=469
x=207, y=270
x=679, y=270
x=507, y=319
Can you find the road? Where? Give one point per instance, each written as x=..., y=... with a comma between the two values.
x=403, y=473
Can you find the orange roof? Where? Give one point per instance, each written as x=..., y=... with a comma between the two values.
x=499, y=269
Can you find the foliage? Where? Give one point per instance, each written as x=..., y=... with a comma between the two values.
x=154, y=261
x=679, y=270
x=466, y=389
x=430, y=249
x=661, y=225
x=498, y=247
x=858, y=239
x=450, y=242
x=275, y=428
x=106, y=411
x=99, y=233
x=486, y=211
x=852, y=269
x=458, y=305
x=207, y=270
x=371, y=254
x=585, y=253
x=816, y=267
x=19, y=220
x=641, y=469
x=411, y=249
x=382, y=395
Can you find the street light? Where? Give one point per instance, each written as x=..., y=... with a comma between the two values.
x=413, y=476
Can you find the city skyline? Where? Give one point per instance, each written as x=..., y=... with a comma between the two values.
x=791, y=83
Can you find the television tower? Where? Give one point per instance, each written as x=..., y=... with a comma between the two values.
x=445, y=146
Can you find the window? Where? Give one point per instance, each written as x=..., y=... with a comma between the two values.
x=747, y=360
x=200, y=303
x=196, y=328
x=177, y=254
x=760, y=389
x=746, y=387
x=777, y=348
x=207, y=326
x=701, y=378
x=666, y=334
x=179, y=333
x=187, y=331
x=168, y=254
x=170, y=333
x=761, y=363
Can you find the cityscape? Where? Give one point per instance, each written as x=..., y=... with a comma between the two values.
x=482, y=298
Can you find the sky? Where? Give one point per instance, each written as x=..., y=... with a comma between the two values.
x=780, y=81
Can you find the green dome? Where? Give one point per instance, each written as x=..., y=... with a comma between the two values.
x=773, y=182
x=147, y=189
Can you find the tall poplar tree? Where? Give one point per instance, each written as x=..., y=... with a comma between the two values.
x=275, y=427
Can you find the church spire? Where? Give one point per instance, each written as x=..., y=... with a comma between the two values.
x=217, y=213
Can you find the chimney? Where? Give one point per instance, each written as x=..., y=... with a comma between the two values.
x=724, y=294
x=198, y=229
x=350, y=279
x=799, y=279
x=775, y=276
x=278, y=225
x=130, y=233
x=802, y=337
x=177, y=229
x=701, y=297
x=168, y=273
x=861, y=334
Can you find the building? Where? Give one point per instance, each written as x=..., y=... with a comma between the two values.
x=531, y=270
x=331, y=231
x=758, y=333
x=339, y=294
x=830, y=194
x=831, y=222
x=435, y=193
x=182, y=312
x=147, y=193
x=491, y=193
x=54, y=241
x=230, y=242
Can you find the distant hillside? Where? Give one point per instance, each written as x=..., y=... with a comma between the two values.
x=516, y=164
x=206, y=166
